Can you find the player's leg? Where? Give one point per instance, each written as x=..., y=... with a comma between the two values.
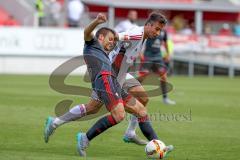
x=109, y=92
x=137, y=90
x=136, y=108
x=161, y=70
x=144, y=122
x=78, y=111
x=133, y=106
x=83, y=139
x=130, y=134
x=73, y=114
x=143, y=71
x=134, y=88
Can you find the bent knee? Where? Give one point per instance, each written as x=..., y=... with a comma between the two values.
x=119, y=115
x=93, y=108
x=143, y=100
x=142, y=112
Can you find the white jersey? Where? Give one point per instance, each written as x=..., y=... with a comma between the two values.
x=134, y=38
x=124, y=26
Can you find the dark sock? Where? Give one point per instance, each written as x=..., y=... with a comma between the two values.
x=163, y=86
x=146, y=128
x=100, y=126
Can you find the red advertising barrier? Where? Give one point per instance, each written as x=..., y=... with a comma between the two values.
x=208, y=41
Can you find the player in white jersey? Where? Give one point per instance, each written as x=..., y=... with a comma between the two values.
x=136, y=38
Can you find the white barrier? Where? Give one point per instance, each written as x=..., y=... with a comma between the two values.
x=38, y=50
x=41, y=50
x=41, y=42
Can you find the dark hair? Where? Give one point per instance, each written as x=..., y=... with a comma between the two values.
x=104, y=31
x=156, y=17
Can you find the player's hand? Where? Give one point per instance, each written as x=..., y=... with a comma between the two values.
x=101, y=18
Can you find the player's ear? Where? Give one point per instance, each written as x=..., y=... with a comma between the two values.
x=149, y=24
x=101, y=37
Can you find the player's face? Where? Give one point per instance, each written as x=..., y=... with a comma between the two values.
x=109, y=42
x=154, y=29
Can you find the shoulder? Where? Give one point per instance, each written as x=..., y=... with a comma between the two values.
x=163, y=34
x=137, y=30
x=135, y=33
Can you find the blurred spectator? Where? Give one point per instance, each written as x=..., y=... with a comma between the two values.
x=10, y=21
x=128, y=23
x=187, y=30
x=6, y=19
x=169, y=27
x=55, y=9
x=225, y=30
x=237, y=28
x=178, y=22
x=61, y=2
x=207, y=29
x=75, y=11
x=40, y=12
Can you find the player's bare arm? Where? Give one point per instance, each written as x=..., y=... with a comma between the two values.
x=101, y=18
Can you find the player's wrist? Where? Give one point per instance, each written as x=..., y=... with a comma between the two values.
x=96, y=21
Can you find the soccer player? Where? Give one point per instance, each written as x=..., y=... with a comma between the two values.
x=104, y=83
x=152, y=60
x=152, y=28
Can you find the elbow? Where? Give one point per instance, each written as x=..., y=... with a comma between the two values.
x=84, y=33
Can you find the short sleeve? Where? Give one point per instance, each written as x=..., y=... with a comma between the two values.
x=92, y=41
x=165, y=37
x=135, y=33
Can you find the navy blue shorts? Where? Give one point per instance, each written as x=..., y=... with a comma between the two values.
x=109, y=91
x=155, y=66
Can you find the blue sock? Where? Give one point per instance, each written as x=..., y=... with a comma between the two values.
x=100, y=126
x=146, y=128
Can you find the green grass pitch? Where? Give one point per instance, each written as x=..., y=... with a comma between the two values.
x=211, y=133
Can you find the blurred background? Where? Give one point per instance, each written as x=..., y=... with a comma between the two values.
x=204, y=35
